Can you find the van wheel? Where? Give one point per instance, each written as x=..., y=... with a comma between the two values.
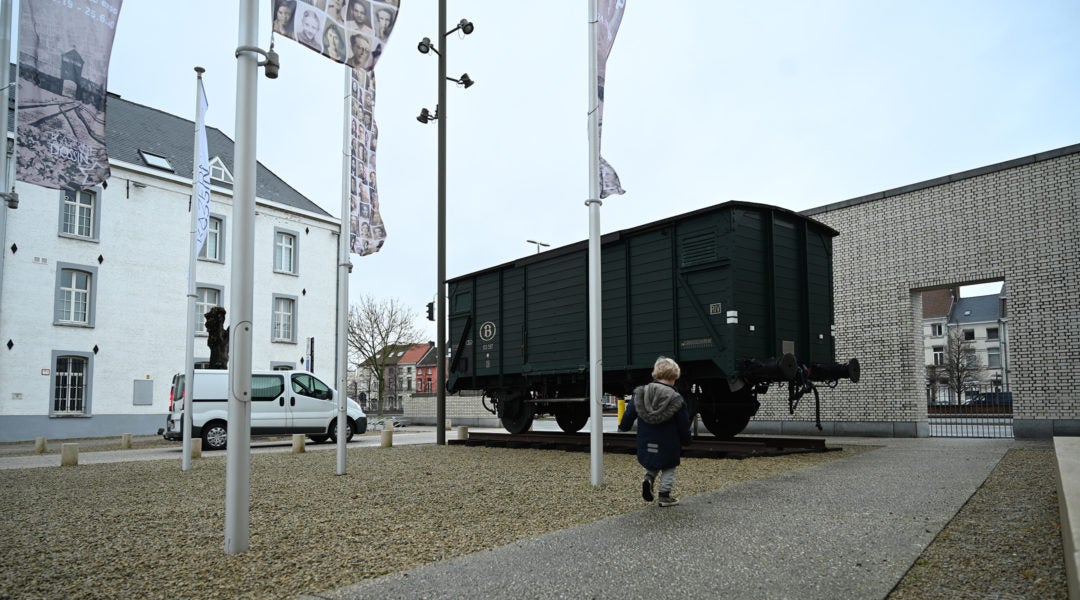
x=318, y=439
x=350, y=428
x=214, y=436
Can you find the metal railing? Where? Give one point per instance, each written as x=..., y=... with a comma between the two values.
x=982, y=411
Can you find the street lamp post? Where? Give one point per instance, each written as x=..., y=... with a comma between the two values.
x=538, y=244
x=440, y=113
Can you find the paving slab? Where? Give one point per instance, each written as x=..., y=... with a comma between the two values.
x=847, y=529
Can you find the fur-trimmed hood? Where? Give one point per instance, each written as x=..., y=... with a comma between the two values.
x=656, y=402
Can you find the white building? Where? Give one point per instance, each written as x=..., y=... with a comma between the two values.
x=93, y=286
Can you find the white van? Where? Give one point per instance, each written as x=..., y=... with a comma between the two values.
x=282, y=402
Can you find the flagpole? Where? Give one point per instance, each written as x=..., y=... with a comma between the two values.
x=6, y=184
x=238, y=450
x=343, y=278
x=189, y=345
x=596, y=370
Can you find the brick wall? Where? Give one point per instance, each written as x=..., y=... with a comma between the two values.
x=1015, y=221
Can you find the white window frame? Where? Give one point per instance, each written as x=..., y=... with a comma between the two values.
x=62, y=404
x=992, y=353
x=282, y=331
x=214, y=231
x=939, y=355
x=67, y=295
x=156, y=160
x=219, y=172
x=86, y=222
x=281, y=248
x=937, y=329
x=203, y=305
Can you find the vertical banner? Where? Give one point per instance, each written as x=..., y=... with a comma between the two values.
x=353, y=32
x=64, y=50
x=609, y=13
x=201, y=175
x=368, y=231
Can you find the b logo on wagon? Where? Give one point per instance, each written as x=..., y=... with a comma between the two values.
x=487, y=331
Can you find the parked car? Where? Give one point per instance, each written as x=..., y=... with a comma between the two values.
x=1002, y=399
x=282, y=402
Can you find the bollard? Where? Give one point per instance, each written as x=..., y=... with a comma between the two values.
x=621, y=408
x=298, y=443
x=39, y=445
x=69, y=455
x=125, y=441
x=447, y=426
x=388, y=425
x=462, y=432
x=387, y=439
x=196, y=447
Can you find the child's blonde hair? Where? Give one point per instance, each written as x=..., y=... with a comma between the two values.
x=665, y=368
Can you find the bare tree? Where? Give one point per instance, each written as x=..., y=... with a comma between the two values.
x=962, y=366
x=377, y=328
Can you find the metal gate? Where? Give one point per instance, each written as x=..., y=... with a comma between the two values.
x=980, y=412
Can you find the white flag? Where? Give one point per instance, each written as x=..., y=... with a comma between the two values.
x=610, y=17
x=201, y=174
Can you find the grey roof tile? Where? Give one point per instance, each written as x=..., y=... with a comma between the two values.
x=131, y=127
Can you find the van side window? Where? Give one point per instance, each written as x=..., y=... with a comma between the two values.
x=308, y=385
x=266, y=387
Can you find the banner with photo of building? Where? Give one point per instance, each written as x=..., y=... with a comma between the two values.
x=353, y=32
x=609, y=14
x=64, y=51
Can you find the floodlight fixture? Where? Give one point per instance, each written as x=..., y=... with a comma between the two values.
x=425, y=46
x=426, y=115
x=464, y=80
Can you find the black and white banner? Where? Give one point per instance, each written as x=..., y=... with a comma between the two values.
x=353, y=32
x=609, y=13
x=64, y=50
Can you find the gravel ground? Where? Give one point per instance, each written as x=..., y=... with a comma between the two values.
x=1004, y=543
x=149, y=530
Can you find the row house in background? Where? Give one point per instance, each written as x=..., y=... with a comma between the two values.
x=93, y=284
x=980, y=323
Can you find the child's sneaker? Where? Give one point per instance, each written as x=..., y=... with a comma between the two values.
x=646, y=488
x=666, y=499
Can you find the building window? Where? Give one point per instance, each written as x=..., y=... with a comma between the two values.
x=218, y=171
x=206, y=297
x=156, y=160
x=215, y=240
x=969, y=334
x=80, y=214
x=936, y=330
x=72, y=379
x=285, y=252
x=283, y=326
x=939, y=355
x=993, y=358
x=991, y=333
x=75, y=295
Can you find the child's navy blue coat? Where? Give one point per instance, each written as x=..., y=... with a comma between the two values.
x=659, y=445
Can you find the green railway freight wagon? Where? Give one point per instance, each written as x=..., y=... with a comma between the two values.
x=740, y=294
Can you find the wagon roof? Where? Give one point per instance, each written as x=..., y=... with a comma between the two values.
x=616, y=235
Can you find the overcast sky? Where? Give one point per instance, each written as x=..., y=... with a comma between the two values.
x=792, y=103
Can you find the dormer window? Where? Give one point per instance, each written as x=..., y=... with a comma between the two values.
x=156, y=160
x=218, y=171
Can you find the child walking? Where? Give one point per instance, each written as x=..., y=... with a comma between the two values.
x=663, y=430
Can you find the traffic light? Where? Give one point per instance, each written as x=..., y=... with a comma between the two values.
x=430, y=311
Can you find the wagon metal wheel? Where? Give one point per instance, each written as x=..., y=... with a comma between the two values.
x=728, y=415
x=572, y=417
x=725, y=421
x=516, y=415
